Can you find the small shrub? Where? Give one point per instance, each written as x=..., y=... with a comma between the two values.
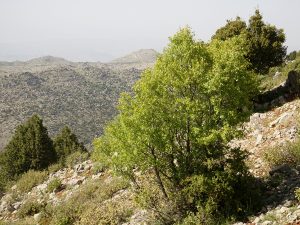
x=29, y=208
x=98, y=168
x=199, y=218
x=54, y=185
x=25, y=221
x=270, y=217
x=90, y=206
x=297, y=194
x=55, y=167
x=288, y=154
x=110, y=212
x=150, y=197
x=30, y=179
x=76, y=157
x=62, y=220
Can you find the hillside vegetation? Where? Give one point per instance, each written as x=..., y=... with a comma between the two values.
x=185, y=147
x=80, y=95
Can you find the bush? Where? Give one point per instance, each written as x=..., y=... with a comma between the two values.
x=288, y=154
x=201, y=218
x=297, y=194
x=112, y=213
x=29, y=208
x=55, y=167
x=25, y=221
x=30, y=179
x=76, y=157
x=149, y=196
x=91, y=205
x=54, y=185
x=98, y=167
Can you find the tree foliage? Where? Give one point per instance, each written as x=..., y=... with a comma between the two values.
x=66, y=143
x=264, y=41
x=29, y=148
x=180, y=118
x=292, y=56
x=231, y=29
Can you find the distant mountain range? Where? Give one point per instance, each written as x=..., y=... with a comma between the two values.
x=82, y=95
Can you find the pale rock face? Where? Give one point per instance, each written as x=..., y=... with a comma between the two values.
x=268, y=129
x=37, y=217
x=258, y=139
x=264, y=131
x=17, y=205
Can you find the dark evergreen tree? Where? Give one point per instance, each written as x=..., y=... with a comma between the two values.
x=231, y=29
x=67, y=143
x=265, y=44
x=29, y=148
x=265, y=47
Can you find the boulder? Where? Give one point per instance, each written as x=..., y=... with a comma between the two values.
x=75, y=181
x=37, y=217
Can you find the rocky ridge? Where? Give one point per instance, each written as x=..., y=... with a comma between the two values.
x=81, y=95
x=266, y=130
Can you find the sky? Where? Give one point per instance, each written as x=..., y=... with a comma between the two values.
x=101, y=30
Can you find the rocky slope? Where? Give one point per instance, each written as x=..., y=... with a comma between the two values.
x=268, y=130
x=81, y=95
x=54, y=85
x=263, y=131
x=82, y=185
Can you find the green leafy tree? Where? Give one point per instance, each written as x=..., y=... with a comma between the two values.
x=265, y=42
x=180, y=118
x=66, y=143
x=29, y=148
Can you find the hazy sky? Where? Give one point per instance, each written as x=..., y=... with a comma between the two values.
x=93, y=30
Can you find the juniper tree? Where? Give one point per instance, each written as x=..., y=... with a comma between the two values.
x=66, y=143
x=265, y=43
x=29, y=148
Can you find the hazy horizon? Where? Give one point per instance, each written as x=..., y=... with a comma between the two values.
x=101, y=30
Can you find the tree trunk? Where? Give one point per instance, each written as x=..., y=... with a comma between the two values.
x=157, y=174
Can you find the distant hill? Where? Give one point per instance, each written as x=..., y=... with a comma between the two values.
x=47, y=60
x=82, y=95
x=141, y=56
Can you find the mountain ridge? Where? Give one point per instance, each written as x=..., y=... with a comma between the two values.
x=142, y=55
x=82, y=95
